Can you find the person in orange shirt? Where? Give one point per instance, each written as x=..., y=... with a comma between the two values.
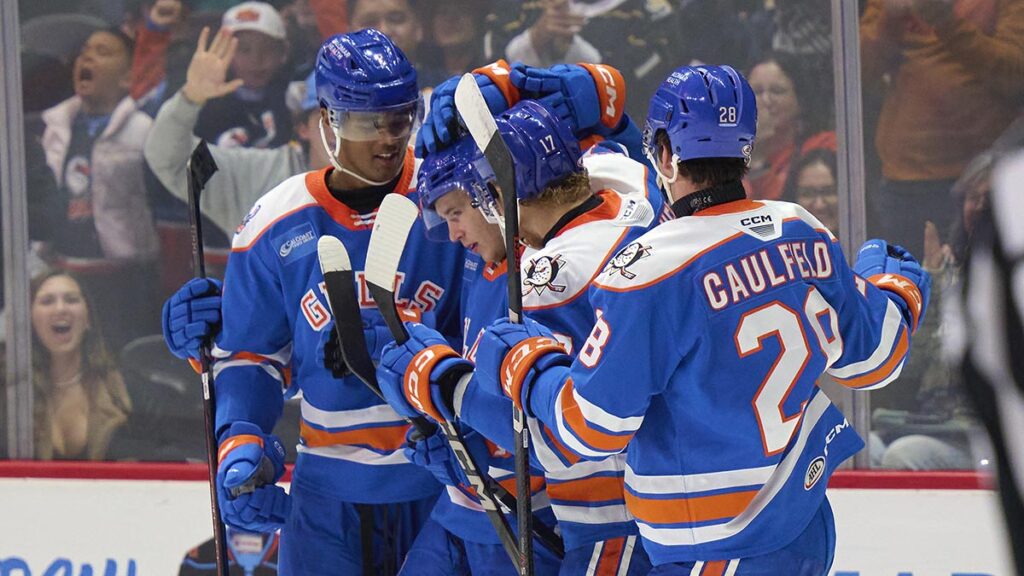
x=956, y=75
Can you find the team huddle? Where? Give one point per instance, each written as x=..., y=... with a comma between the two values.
x=665, y=363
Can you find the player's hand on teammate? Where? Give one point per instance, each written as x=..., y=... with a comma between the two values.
x=510, y=357
x=192, y=315
x=441, y=125
x=250, y=462
x=590, y=95
x=419, y=376
x=895, y=270
x=206, y=78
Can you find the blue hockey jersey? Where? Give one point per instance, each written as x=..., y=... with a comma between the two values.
x=274, y=311
x=711, y=333
x=586, y=497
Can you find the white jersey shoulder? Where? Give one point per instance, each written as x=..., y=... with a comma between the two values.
x=611, y=170
x=281, y=200
x=563, y=269
x=673, y=245
x=791, y=210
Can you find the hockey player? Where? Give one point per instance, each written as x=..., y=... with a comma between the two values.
x=730, y=313
x=576, y=211
x=352, y=491
x=711, y=332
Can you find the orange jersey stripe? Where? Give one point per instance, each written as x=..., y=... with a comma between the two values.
x=878, y=374
x=382, y=438
x=715, y=568
x=689, y=510
x=536, y=484
x=731, y=208
x=594, y=489
x=611, y=557
x=574, y=419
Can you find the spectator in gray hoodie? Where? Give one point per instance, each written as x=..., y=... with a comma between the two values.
x=244, y=174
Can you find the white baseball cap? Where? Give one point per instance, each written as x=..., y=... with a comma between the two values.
x=255, y=16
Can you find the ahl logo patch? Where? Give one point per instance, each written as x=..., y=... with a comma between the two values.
x=815, y=470
x=295, y=243
x=541, y=275
x=627, y=257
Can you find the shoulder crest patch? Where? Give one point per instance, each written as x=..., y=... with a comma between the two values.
x=541, y=274
x=628, y=256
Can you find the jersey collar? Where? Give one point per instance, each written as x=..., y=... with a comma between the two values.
x=708, y=197
x=316, y=183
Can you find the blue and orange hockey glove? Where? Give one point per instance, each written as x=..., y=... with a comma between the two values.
x=191, y=315
x=592, y=95
x=893, y=269
x=419, y=376
x=440, y=126
x=249, y=464
x=511, y=356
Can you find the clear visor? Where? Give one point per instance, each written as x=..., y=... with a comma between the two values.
x=481, y=198
x=392, y=123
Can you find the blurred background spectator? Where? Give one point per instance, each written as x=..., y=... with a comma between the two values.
x=93, y=144
x=639, y=37
x=455, y=38
x=80, y=397
x=253, y=114
x=790, y=121
x=244, y=175
x=953, y=74
x=813, y=185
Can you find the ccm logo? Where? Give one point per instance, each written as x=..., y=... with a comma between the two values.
x=755, y=220
x=609, y=89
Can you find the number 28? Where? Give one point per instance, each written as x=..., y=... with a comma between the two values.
x=727, y=115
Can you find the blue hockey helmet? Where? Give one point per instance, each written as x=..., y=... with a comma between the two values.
x=543, y=147
x=706, y=111
x=364, y=71
x=368, y=88
x=459, y=167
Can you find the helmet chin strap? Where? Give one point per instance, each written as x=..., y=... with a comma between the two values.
x=333, y=156
x=665, y=181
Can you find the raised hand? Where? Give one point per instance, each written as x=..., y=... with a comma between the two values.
x=208, y=69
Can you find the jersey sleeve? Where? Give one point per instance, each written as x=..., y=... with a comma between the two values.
x=254, y=349
x=874, y=338
x=595, y=406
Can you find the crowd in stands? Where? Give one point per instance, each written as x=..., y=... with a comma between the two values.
x=118, y=92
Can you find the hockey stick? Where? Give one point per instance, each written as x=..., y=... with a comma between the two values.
x=348, y=323
x=387, y=242
x=396, y=225
x=200, y=168
x=478, y=120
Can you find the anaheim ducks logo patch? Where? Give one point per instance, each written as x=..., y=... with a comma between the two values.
x=541, y=274
x=627, y=257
